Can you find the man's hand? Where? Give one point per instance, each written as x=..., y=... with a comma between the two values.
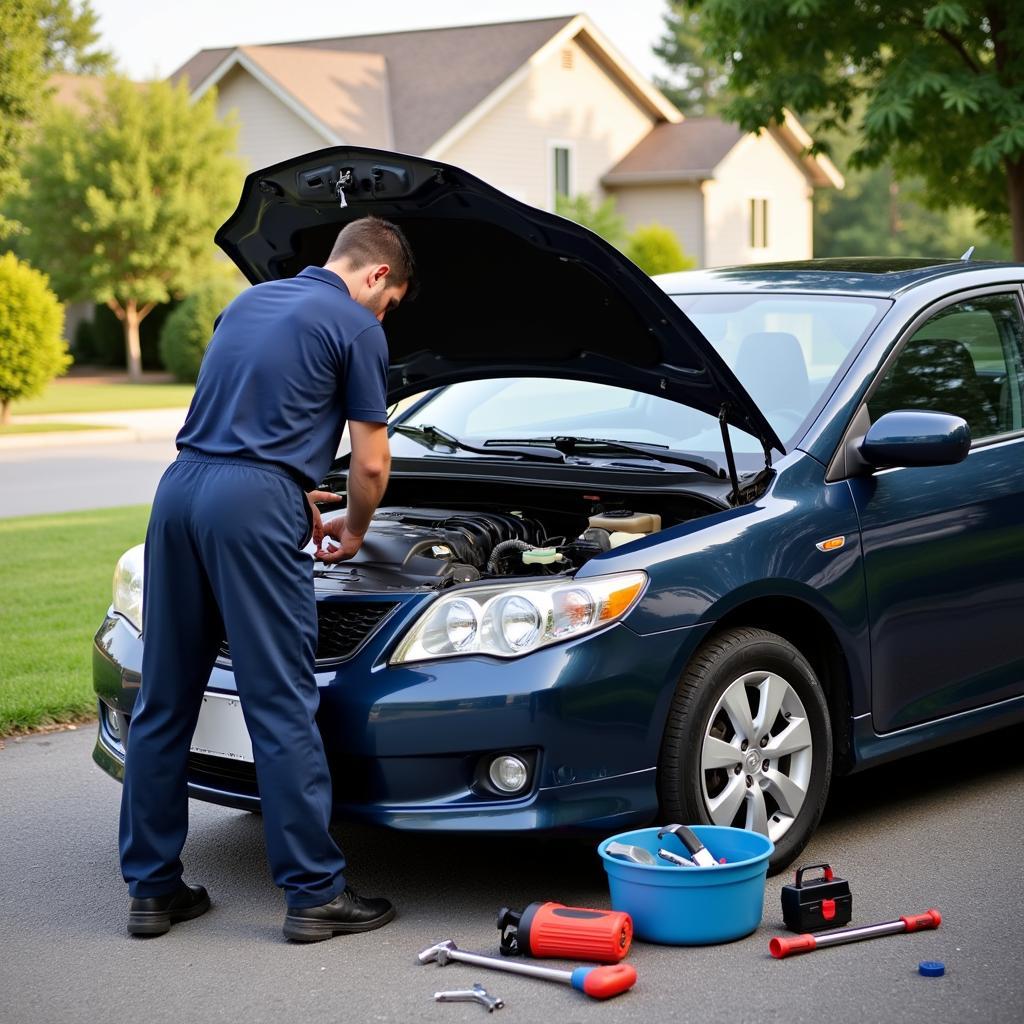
x=318, y=524
x=349, y=542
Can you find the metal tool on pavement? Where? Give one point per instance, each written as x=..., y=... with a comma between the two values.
x=476, y=994
x=637, y=854
x=597, y=982
x=675, y=858
x=571, y=933
x=699, y=853
x=824, y=902
x=780, y=946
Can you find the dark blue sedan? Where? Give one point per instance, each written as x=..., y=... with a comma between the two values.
x=677, y=549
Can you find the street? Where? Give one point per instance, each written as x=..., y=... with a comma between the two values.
x=939, y=830
x=43, y=480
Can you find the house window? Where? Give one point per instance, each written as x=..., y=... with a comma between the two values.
x=758, y=223
x=561, y=172
x=567, y=59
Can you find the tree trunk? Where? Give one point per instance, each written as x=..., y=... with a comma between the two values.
x=5, y=411
x=1015, y=185
x=131, y=340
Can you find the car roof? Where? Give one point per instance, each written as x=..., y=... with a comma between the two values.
x=859, y=275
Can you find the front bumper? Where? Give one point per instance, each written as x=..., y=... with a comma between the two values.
x=406, y=743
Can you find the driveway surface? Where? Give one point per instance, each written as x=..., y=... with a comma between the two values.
x=43, y=480
x=940, y=830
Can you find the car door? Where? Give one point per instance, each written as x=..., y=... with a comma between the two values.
x=944, y=546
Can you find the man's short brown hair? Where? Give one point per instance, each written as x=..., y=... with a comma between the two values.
x=373, y=240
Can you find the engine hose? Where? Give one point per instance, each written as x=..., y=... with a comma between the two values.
x=500, y=549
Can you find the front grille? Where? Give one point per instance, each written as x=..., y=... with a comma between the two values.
x=342, y=627
x=207, y=770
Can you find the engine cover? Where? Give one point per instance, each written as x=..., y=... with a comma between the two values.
x=428, y=548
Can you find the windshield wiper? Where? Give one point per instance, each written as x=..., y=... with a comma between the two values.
x=434, y=435
x=573, y=445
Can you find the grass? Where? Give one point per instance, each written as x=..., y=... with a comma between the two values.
x=45, y=428
x=103, y=395
x=55, y=575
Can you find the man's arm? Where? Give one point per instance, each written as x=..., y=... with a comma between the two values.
x=368, y=471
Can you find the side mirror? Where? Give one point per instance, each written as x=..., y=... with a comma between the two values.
x=909, y=437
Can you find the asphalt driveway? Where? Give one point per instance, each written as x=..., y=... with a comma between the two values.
x=941, y=830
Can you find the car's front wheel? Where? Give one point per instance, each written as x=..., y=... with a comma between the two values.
x=748, y=741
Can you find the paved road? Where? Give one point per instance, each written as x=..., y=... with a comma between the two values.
x=940, y=830
x=54, y=479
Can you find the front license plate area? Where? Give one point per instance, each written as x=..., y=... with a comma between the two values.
x=221, y=731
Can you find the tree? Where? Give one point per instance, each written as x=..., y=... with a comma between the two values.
x=656, y=250
x=699, y=80
x=32, y=349
x=941, y=79
x=39, y=37
x=126, y=198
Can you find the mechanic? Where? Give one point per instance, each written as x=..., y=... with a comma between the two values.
x=289, y=363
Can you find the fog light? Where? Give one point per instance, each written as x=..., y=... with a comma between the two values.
x=509, y=773
x=113, y=722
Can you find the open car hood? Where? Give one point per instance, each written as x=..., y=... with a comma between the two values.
x=507, y=290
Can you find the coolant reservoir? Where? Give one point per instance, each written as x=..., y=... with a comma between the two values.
x=624, y=521
x=620, y=537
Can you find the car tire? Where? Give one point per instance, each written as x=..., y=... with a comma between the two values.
x=697, y=781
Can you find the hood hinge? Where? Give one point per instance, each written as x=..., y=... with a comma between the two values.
x=730, y=459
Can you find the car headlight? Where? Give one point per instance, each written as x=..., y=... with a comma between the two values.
x=128, y=585
x=509, y=619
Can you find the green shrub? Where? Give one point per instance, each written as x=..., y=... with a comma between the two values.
x=656, y=250
x=32, y=349
x=187, y=331
x=603, y=219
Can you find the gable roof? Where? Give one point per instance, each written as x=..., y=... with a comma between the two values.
x=690, y=150
x=434, y=76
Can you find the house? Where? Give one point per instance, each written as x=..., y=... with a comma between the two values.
x=537, y=108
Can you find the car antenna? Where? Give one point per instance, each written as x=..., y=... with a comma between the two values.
x=966, y=258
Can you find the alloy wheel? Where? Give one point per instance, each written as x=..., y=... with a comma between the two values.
x=756, y=755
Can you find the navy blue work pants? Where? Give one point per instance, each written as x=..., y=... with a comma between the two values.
x=224, y=552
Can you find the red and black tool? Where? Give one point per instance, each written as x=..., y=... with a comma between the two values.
x=825, y=902
x=571, y=933
x=780, y=946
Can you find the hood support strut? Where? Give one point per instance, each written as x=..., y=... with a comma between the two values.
x=730, y=459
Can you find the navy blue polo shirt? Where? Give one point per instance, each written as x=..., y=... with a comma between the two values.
x=289, y=362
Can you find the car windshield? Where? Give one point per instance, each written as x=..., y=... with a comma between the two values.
x=785, y=350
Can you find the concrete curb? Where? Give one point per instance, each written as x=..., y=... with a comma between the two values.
x=68, y=438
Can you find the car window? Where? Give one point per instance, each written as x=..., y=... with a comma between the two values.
x=965, y=360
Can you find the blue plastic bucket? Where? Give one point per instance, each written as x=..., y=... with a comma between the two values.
x=691, y=906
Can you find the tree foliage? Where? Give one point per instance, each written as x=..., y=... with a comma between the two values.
x=697, y=84
x=37, y=38
x=32, y=349
x=655, y=249
x=126, y=198
x=186, y=332
x=942, y=83
x=601, y=218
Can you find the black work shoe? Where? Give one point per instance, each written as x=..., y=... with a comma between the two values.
x=345, y=914
x=155, y=914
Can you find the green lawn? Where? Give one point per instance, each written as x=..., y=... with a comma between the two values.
x=55, y=577
x=85, y=394
x=45, y=428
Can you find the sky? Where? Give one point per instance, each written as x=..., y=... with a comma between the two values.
x=151, y=39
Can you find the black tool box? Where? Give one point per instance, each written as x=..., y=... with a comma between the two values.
x=820, y=903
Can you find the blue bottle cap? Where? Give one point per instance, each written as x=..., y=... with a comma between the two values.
x=931, y=968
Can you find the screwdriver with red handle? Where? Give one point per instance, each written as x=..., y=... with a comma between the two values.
x=781, y=946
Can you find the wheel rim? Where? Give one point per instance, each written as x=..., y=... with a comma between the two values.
x=755, y=759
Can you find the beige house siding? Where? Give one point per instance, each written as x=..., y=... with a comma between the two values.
x=268, y=131
x=678, y=206
x=757, y=168
x=510, y=146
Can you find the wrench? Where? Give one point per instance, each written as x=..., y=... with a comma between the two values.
x=476, y=994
